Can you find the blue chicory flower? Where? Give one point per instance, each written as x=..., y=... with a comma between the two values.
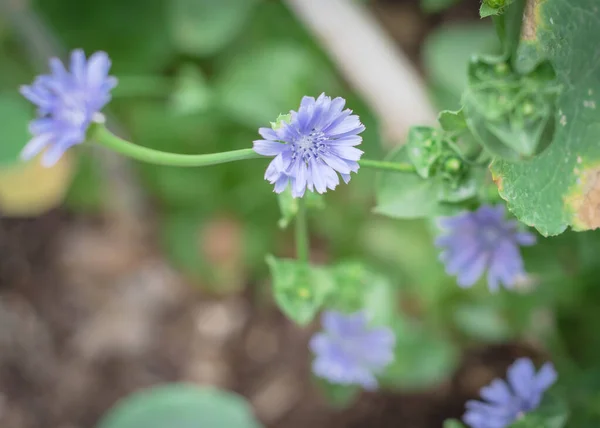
x=348, y=352
x=313, y=147
x=483, y=240
x=68, y=102
x=506, y=402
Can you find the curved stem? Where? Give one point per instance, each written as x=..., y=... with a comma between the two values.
x=301, y=232
x=104, y=137
x=387, y=166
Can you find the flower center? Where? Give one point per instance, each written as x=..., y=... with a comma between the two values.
x=72, y=109
x=491, y=235
x=309, y=146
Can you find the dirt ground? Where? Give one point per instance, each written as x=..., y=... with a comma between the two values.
x=90, y=313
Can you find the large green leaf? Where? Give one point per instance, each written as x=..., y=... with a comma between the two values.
x=561, y=186
x=203, y=27
x=181, y=406
x=511, y=115
x=16, y=114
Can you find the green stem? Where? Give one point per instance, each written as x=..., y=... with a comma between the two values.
x=301, y=232
x=104, y=137
x=387, y=166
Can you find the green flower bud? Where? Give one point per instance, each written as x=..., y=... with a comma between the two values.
x=452, y=165
x=527, y=108
x=501, y=68
x=280, y=119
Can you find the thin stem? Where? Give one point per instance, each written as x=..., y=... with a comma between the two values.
x=104, y=137
x=387, y=166
x=301, y=232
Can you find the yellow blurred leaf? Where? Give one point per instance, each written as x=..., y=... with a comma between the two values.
x=29, y=189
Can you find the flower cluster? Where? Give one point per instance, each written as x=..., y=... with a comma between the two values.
x=507, y=402
x=68, y=101
x=313, y=147
x=348, y=352
x=482, y=240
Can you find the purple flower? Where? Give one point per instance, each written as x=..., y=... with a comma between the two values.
x=316, y=145
x=480, y=240
x=348, y=352
x=68, y=102
x=507, y=402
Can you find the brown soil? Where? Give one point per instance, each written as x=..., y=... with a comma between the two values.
x=88, y=316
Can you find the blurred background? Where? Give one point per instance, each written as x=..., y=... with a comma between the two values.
x=116, y=276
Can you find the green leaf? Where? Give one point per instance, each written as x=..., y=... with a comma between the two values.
x=423, y=148
x=379, y=298
x=299, y=289
x=552, y=413
x=16, y=114
x=511, y=115
x=453, y=121
x=486, y=10
x=560, y=187
x=203, y=27
x=339, y=396
x=352, y=279
x=181, y=406
x=406, y=195
x=453, y=423
x=493, y=7
x=289, y=205
x=422, y=360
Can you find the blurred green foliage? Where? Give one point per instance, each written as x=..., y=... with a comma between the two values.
x=201, y=77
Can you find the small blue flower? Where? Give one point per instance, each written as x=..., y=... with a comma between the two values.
x=68, y=102
x=483, y=240
x=507, y=402
x=313, y=147
x=348, y=352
